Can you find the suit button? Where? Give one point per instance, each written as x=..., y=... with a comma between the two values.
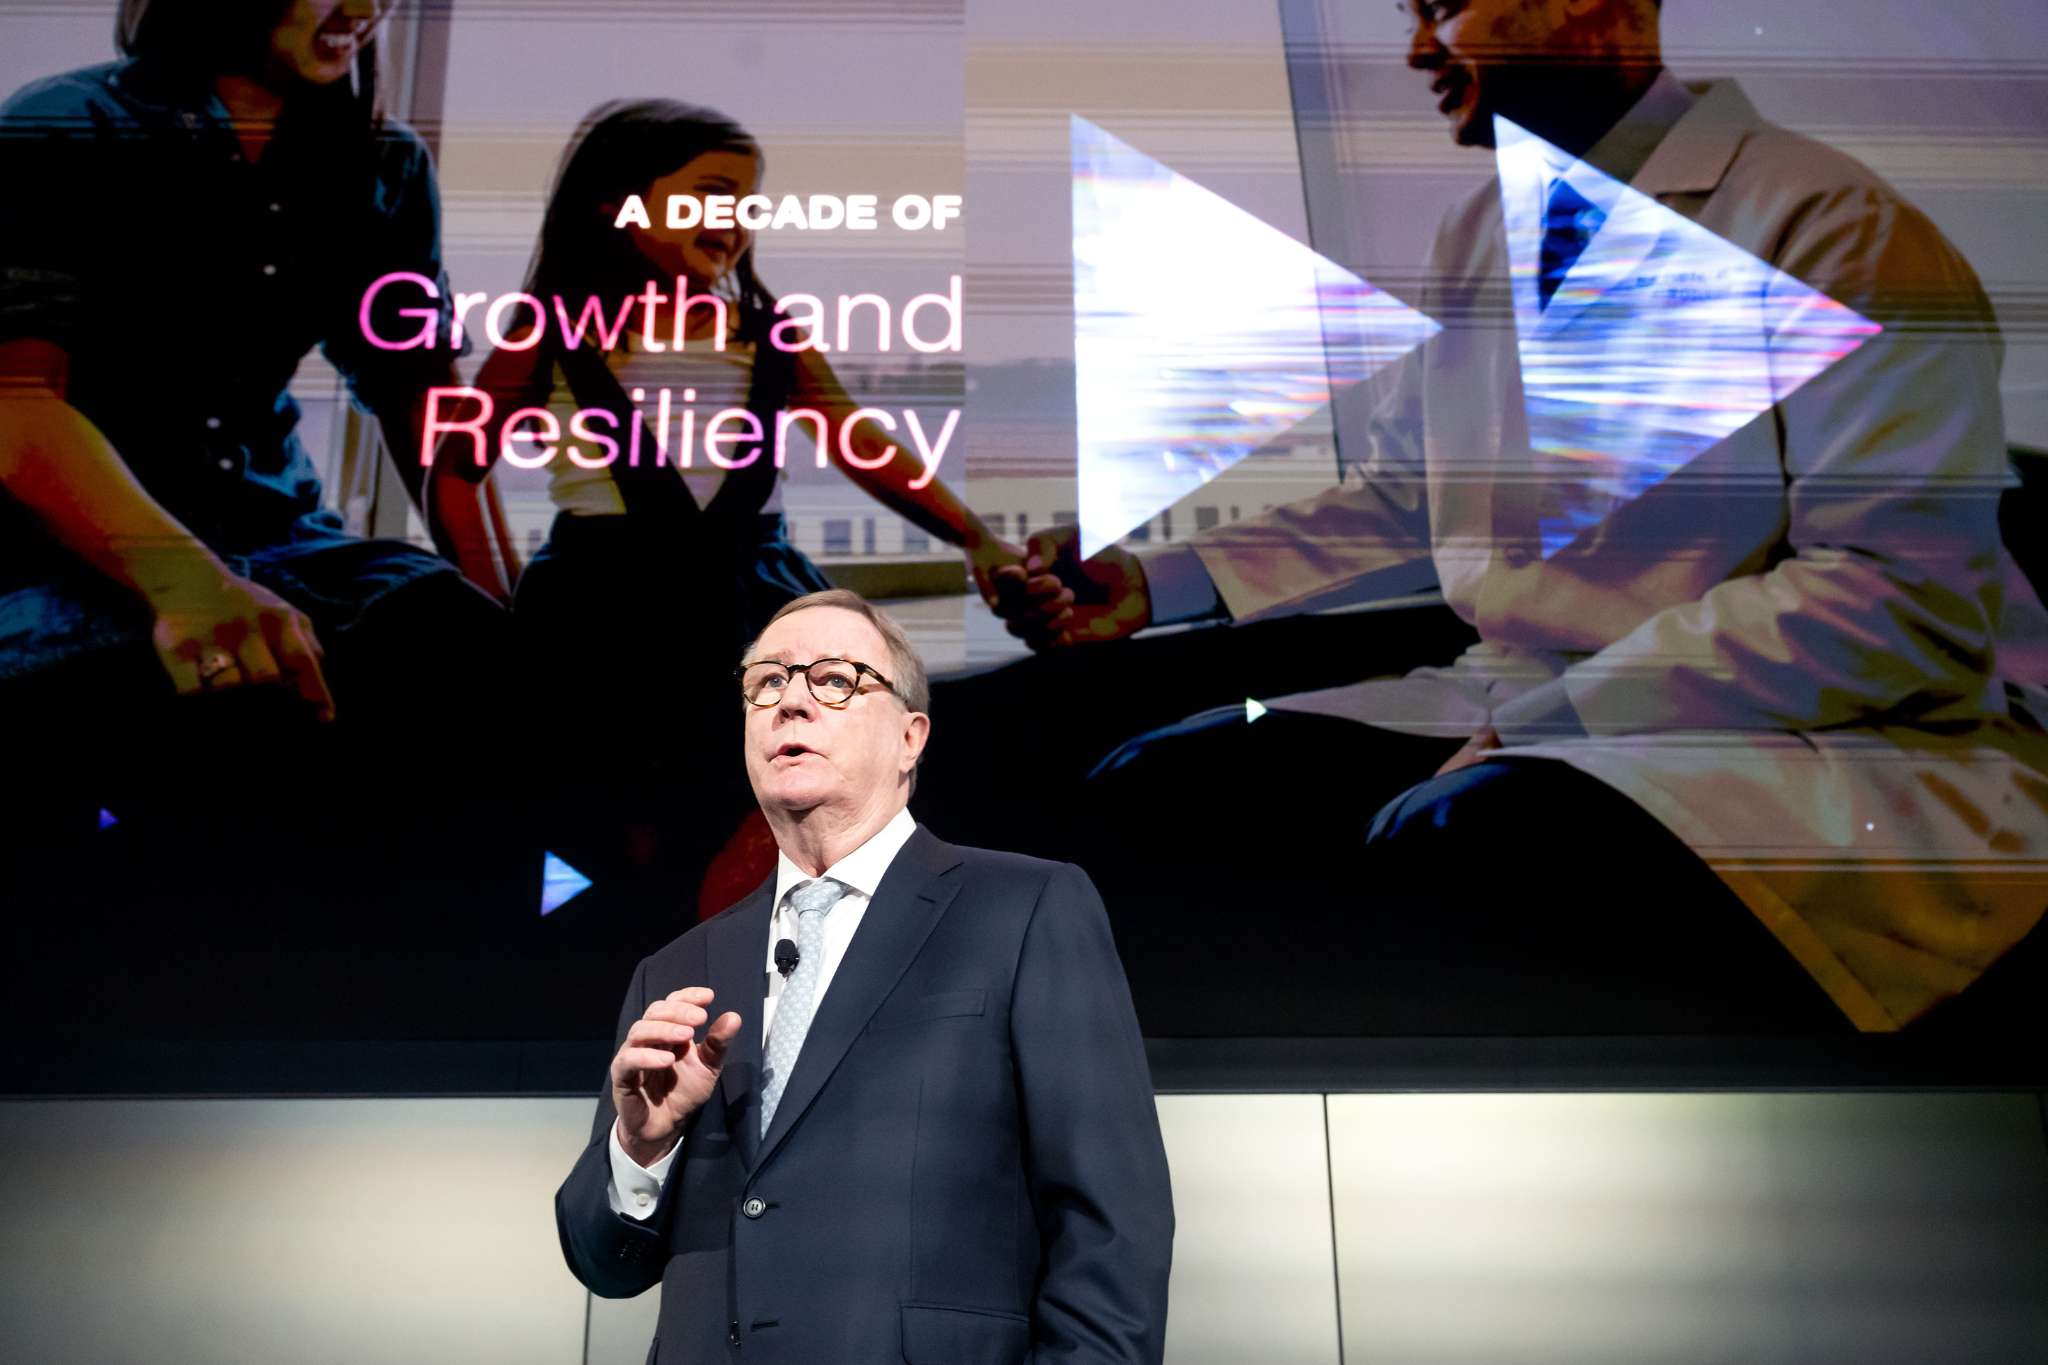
x=754, y=1208
x=732, y=1335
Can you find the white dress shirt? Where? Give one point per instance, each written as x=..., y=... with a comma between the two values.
x=635, y=1188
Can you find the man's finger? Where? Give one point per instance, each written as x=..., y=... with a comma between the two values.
x=1040, y=614
x=657, y=1033
x=633, y=1059
x=677, y=1013
x=1051, y=640
x=1040, y=634
x=694, y=995
x=1007, y=585
x=711, y=1051
x=1040, y=550
x=1046, y=548
x=1043, y=589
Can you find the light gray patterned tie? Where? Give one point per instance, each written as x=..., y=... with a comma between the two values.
x=812, y=901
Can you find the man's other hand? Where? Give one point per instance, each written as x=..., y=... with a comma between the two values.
x=1058, y=599
x=665, y=1070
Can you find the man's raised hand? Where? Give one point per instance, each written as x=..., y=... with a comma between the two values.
x=666, y=1068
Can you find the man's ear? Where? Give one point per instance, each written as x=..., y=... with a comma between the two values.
x=917, y=730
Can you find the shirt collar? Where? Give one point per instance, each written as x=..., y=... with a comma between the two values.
x=861, y=870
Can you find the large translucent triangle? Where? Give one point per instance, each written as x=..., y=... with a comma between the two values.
x=1200, y=333
x=1662, y=341
x=559, y=883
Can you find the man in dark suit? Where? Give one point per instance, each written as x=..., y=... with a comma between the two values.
x=923, y=1130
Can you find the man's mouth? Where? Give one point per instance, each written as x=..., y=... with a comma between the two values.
x=1450, y=89
x=793, y=750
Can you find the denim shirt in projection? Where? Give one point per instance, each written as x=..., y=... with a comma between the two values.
x=186, y=283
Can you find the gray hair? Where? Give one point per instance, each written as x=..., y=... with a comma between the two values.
x=905, y=668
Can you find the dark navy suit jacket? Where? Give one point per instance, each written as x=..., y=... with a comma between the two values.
x=965, y=1168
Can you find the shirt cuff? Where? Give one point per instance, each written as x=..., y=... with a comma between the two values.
x=636, y=1189
x=1180, y=587
x=1543, y=713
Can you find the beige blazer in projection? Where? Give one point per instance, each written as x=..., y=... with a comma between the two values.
x=1806, y=651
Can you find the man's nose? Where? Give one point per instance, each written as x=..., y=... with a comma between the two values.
x=796, y=697
x=1425, y=53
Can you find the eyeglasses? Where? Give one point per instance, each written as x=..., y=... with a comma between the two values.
x=832, y=681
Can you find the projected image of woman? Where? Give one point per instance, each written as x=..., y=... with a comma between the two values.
x=180, y=611
x=657, y=573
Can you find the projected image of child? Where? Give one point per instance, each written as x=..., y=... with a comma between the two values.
x=671, y=389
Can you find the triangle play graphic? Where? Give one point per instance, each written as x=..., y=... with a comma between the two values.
x=1661, y=341
x=1181, y=368
x=559, y=884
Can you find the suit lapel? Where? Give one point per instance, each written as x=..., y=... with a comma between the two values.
x=1695, y=155
x=736, y=959
x=907, y=905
